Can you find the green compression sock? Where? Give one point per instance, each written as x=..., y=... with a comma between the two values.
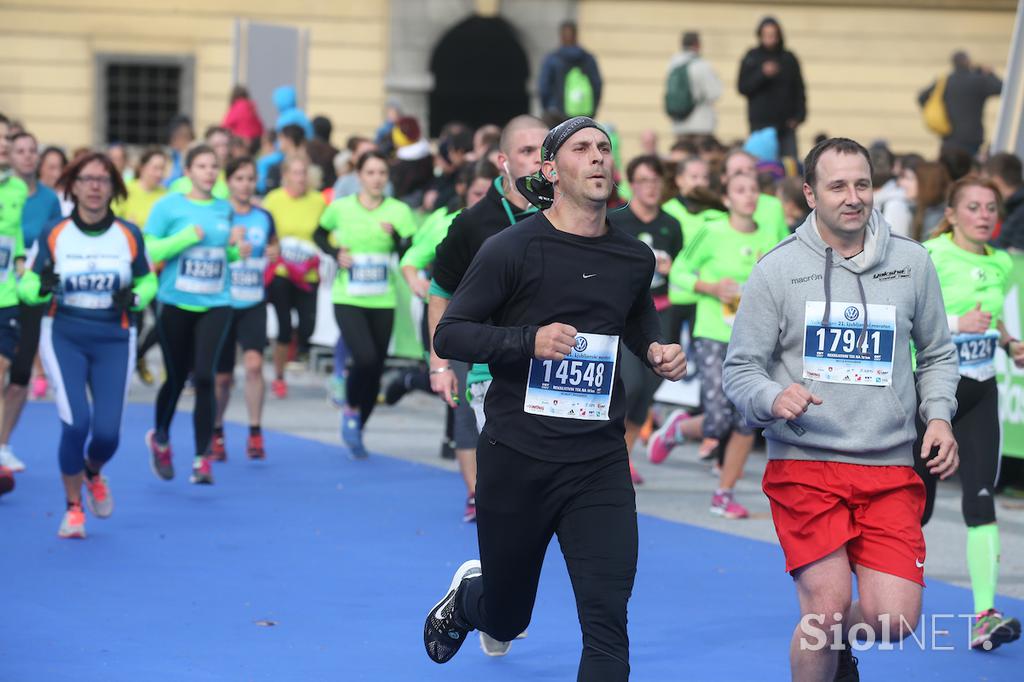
x=983, y=564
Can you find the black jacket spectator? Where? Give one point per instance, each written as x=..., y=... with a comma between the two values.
x=1011, y=235
x=322, y=152
x=967, y=88
x=772, y=101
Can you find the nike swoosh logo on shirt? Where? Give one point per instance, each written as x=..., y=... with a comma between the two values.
x=585, y=276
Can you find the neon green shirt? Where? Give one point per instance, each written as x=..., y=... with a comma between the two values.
x=969, y=278
x=691, y=223
x=359, y=230
x=717, y=252
x=13, y=194
x=183, y=185
x=424, y=243
x=770, y=215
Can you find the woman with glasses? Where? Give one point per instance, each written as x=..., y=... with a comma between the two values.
x=644, y=219
x=92, y=268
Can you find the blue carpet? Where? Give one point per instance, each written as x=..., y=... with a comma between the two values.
x=344, y=558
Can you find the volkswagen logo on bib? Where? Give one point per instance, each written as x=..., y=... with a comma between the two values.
x=581, y=344
x=852, y=313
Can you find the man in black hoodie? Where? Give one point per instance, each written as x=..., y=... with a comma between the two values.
x=967, y=88
x=770, y=79
x=1004, y=170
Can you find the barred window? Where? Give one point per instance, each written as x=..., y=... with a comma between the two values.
x=140, y=96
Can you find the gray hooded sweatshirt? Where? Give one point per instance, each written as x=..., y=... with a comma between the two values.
x=802, y=320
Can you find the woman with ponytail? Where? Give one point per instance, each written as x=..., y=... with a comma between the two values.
x=974, y=278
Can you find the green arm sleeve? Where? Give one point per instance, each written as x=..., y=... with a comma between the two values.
x=163, y=248
x=144, y=287
x=28, y=289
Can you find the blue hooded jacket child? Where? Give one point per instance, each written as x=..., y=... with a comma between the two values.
x=284, y=100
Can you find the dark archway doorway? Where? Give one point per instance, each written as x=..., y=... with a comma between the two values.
x=480, y=73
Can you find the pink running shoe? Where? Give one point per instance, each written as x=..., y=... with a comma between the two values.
x=160, y=457
x=723, y=504
x=39, y=386
x=666, y=437
x=279, y=388
x=634, y=475
x=202, y=471
x=469, y=516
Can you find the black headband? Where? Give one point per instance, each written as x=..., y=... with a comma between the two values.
x=537, y=189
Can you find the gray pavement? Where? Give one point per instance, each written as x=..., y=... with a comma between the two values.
x=677, y=490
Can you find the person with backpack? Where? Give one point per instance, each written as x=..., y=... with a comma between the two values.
x=960, y=99
x=570, y=82
x=692, y=89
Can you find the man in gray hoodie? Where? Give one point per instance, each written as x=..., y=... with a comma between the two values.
x=820, y=357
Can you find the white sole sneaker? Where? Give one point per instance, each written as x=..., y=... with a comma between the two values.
x=493, y=647
x=9, y=461
x=443, y=636
x=468, y=567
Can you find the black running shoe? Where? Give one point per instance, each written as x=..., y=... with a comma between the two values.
x=443, y=632
x=396, y=388
x=846, y=671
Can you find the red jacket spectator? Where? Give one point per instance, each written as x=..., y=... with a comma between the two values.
x=242, y=118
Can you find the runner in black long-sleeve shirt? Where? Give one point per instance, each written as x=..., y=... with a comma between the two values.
x=545, y=305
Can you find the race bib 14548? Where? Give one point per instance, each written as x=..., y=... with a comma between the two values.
x=577, y=387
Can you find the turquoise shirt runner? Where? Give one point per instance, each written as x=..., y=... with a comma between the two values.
x=195, y=273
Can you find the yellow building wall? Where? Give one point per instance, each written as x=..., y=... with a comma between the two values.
x=47, y=72
x=862, y=67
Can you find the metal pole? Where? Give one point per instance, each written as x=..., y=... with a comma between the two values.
x=1008, y=134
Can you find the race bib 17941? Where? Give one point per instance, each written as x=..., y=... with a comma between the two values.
x=841, y=352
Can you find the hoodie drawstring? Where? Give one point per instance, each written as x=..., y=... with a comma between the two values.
x=864, y=304
x=862, y=339
x=828, y=287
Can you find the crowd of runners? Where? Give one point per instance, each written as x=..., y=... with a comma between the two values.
x=863, y=351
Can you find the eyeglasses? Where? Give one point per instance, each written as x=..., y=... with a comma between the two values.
x=98, y=180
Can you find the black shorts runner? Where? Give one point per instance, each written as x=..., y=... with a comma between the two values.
x=248, y=330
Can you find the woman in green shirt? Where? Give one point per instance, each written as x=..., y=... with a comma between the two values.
x=974, y=279
x=715, y=265
x=695, y=205
x=367, y=229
